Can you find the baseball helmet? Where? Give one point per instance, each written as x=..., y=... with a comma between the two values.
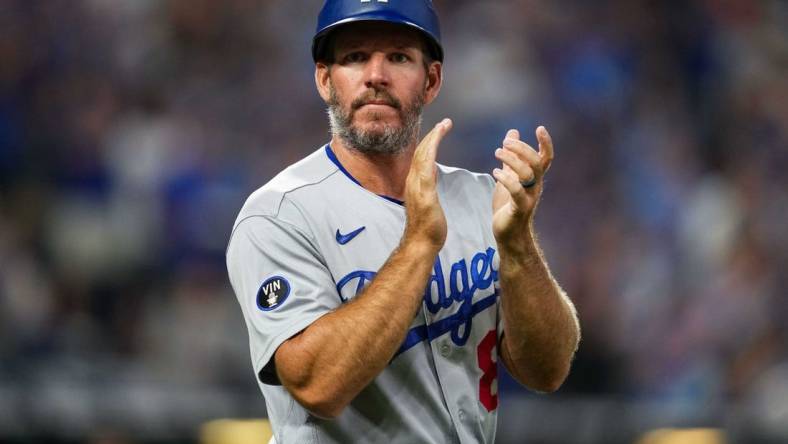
x=417, y=14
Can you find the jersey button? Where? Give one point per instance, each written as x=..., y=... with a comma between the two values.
x=445, y=350
x=461, y=414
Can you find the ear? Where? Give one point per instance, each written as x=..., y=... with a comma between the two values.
x=323, y=80
x=434, y=82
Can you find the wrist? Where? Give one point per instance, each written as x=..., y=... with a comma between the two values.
x=420, y=244
x=427, y=238
x=518, y=248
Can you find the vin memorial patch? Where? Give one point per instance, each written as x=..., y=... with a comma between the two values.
x=272, y=293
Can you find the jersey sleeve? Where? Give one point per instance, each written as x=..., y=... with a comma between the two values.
x=281, y=283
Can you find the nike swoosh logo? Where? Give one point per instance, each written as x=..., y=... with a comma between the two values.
x=345, y=238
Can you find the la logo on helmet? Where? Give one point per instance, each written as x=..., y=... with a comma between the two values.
x=379, y=1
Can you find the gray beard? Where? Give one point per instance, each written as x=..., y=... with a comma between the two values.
x=389, y=141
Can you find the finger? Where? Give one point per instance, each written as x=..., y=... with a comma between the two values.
x=514, y=135
x=523, y=150
x=506, y=166
x=441, y=129
x=512, y=184
x=545, y=147
x=422, y=149
x=500, y=195
x=427, y=151
x=523, y=170
x=423, y=166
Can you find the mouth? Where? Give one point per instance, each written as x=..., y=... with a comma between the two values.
x=381, y=104
x=381, y=99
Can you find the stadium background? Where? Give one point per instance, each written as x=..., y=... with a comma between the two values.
x=132, y=131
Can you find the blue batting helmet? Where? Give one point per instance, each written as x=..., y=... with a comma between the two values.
x=418, y=14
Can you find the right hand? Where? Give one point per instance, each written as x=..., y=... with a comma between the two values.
x=425, y=219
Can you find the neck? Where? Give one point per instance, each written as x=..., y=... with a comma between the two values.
x=382, y=174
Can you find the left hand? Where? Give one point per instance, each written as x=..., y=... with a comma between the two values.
x=513, y=204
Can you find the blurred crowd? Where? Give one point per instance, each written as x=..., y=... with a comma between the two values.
x=132, y=131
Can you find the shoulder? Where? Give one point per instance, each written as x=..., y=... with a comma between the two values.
x=270, y=200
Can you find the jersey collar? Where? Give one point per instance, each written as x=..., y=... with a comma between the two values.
x=335, y=160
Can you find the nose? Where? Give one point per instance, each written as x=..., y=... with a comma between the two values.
x=376, y=73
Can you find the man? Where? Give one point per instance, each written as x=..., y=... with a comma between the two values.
x=378, y=287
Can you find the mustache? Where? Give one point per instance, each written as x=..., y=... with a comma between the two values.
x=376, y=96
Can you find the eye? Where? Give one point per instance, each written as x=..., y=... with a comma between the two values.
x=399, y=57
x=354, y=57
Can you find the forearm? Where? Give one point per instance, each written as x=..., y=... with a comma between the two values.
x=341, y=353
x=541, y=327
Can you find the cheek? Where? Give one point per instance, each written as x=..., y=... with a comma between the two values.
x=413, y=85
x=342, y=93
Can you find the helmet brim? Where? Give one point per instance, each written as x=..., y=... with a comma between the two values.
x=319, y=43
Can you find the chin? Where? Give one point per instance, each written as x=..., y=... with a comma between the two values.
x=378, y=126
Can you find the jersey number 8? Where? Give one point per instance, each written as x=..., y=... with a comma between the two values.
x=484, y=354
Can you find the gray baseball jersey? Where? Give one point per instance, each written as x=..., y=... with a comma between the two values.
x=310, y=240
